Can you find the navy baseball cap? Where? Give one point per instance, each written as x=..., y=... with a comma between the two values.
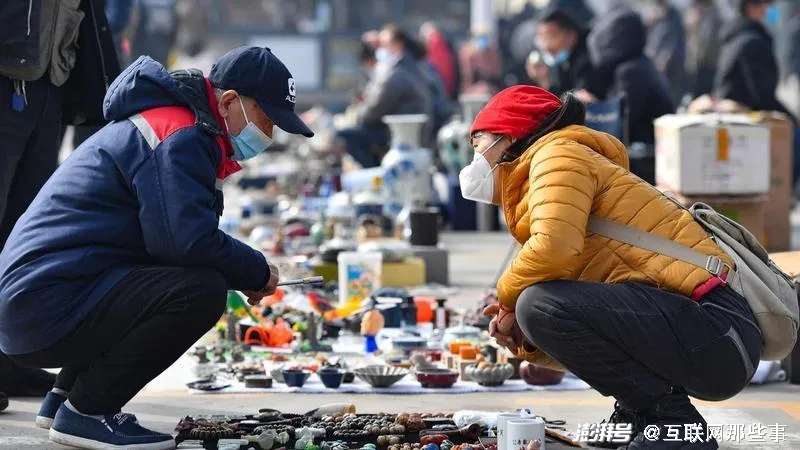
x=257, y=73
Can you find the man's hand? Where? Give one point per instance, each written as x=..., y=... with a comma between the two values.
x=504, y=327
x=272, y=284
x=253, y=297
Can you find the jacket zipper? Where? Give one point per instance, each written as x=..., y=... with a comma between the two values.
x=30, y=10
x=99, y=45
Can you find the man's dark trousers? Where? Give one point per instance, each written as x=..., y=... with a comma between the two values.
x=30, y=141
x=637, y=342
x=143, y=325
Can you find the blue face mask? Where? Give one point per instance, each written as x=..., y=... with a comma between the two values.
x=250, y=142
x=556, y=60
x=773, y=16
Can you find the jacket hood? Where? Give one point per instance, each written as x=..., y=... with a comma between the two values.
x=145, y=84
x=617, y=37
x=740, y=26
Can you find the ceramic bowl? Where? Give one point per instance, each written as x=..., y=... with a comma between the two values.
x=490, y=376
x=380, y=376
x=540, y=376
x=437, y=378
x=296, y=378
x=331, y=378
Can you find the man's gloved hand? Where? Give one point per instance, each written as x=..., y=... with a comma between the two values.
x=255, y=297
x=504, y=327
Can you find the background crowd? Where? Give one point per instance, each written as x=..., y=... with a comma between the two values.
x=654, y=56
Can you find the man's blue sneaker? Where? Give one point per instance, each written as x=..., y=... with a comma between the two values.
x=113, y=431
x=47, y=412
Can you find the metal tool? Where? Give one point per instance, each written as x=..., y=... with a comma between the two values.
x=302, y=282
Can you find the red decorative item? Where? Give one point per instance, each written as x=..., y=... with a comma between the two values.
x=539, y=376
x=437, y=378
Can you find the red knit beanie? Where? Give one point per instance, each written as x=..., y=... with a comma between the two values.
x=516, y=111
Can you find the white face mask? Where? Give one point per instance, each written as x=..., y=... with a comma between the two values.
x=476, y=180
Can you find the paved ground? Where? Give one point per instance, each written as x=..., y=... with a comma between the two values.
x=474, y=260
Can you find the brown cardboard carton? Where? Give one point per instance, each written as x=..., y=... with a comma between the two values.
x=776, y=220
x=746, y=210
x=789, y=262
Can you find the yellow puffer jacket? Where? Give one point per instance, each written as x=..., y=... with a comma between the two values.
x=548, y=194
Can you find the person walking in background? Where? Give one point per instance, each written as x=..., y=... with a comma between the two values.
x=747, y=71
x=666, y=47
x=561, y=40
x=398, y=86
x=481, y=65
x=440, y=56
x=616, y=47
x=703, y=24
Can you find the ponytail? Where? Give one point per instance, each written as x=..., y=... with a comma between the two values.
x=571, y=112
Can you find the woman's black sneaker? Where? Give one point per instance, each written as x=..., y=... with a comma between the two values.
x=673, y=423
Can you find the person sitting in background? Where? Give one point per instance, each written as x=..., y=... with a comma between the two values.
x=703, y=23
x=666, y=47
x=747, y=71
x=397, y=87
x=616, y=47
x=440, y=56
x=481, y=65
x=562, y=42
x=639, y=326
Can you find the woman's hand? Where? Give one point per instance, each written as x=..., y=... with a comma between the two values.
x=504, y=327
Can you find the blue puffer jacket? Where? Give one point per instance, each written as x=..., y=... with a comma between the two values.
x=140, y=192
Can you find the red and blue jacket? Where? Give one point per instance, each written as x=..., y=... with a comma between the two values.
x=142, y=191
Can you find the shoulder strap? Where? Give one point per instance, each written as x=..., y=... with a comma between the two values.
x=656, y=244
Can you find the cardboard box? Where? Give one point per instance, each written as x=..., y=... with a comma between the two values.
x=778, y=229
x=789, y=262
x=716, y=154
x=748, y=211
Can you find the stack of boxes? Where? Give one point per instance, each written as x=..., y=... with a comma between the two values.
x=739, y=164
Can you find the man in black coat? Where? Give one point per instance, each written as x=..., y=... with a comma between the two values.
x=561, y=39
x=616, y=47
x=57, y=59
x=747, y=71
